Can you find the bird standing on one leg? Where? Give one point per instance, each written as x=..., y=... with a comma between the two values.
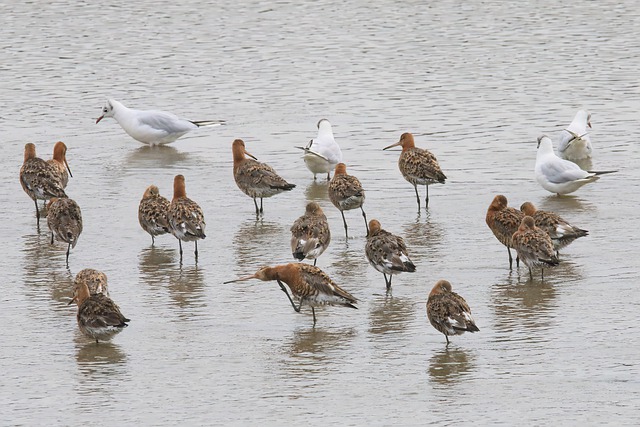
x=448, y=312
x=64, y=219
x=309, y=285
x=152, y=213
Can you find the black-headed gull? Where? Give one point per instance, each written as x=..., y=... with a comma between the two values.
x=150, y=126
x=558, y=175
x=323, y=153
x=575, y=143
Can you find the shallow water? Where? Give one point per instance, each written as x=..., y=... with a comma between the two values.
x=476, y=84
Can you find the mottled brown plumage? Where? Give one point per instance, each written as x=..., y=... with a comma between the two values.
x=346, y=193
x=534, y=246
x=64, y=219
x=95, y=280
x=561, y=232
x=387, y=252
x=503, y=222
x=310, y=235
x=152, y=213
x=309, y=285
x=255, y=179
x=39, y=179
x=418, y=166
x=60, y=164
x=98, y=316
x=448, y=312
x=186, y=219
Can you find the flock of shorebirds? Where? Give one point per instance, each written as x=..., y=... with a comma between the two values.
x=536, y=236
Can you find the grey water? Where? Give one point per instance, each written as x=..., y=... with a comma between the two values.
x=475, y=82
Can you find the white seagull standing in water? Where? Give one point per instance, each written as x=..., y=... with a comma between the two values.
x=150, y=126
x=575, y=143
x=557, y=175
x=322, y=154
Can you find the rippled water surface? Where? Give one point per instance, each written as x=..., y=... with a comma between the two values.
x=476, y=82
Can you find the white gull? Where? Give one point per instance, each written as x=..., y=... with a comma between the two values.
x=150, y=126
x=574, y=143
x=322, y=154
x=557, y=175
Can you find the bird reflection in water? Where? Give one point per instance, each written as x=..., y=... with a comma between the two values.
x=316, y=191
x=529, y=305
x=156, y=264
x=566, y=206
x=450, y=365
x=348, y=263
x=41, y=262
x=253, y=240
x=390, y=314
x=316, y=343
x=160, y=269
x=186, y=288
x=155, y=157
x=99, y=362
x=424, y=238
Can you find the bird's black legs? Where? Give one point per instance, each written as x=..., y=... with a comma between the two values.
x=345, y=225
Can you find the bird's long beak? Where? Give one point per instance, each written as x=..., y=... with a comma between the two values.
x=74, y=299
x=99, y=118
x=250, y=155
x=68, y=168
x=392, y=145
x=589, y=124
x=241, y=279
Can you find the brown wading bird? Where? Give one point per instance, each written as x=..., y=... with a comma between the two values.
x=95, y=280
x=534, y=246
x=561, y=232
x=448, y=312
x=309, y=285
x=39, y=179
x=98, y=316
x=503, y=222
x=255, y=179
x=418, y=166
x=186, y=220
x=346, y=193
x=310, y=234
x=387, y=252
x=152, y=213
x=64, y=219
x=59, y=162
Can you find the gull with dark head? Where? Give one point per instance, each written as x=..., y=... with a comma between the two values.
x=151, y=127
